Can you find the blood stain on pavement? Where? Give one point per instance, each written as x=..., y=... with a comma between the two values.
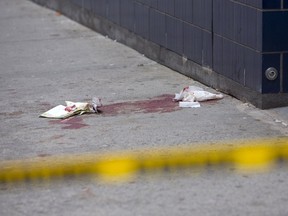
x=70, y=123
x=159, y=104
x=44, y=155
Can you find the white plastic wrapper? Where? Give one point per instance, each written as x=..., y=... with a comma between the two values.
x=72, y=108
x=189, y=104
x=96, y=103
x=194, y=94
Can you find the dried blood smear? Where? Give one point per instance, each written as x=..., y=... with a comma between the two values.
x=70, y=123
x=159, y=104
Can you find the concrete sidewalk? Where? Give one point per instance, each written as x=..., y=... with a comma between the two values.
x=46, y=59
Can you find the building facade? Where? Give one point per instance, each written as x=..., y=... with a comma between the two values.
x=237, y=46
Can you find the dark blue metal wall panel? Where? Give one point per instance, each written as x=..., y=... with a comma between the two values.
x=251, y=22
x=174, y=29
x=146, y=2
x=218, y=54
x=113, y=10
x=238, y=23
x=228, y=53
x=285, y=72
x=127, y=14
x=202, y=13
x=274, y=4
x=207, y=50
x=166, y=6
x=193, y=42
x=154, y=3
x=285, y=4
x=157, y=27
x=142, y=20
x=275, y=31
x=253, y=70
x=262, y=4
x=270, y=60
x=253, y=3
x=183, y=10
x=239, y=69
x=237, y=62
x=87, y=4
x=77, y=2
x=238, y=39
x=99, y=7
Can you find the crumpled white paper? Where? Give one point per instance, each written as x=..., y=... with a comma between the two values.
x=191, y=96
x=72, y=108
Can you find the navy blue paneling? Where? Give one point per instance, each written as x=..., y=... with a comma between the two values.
x=77, y=2
x=251, y=27
x=113, y=10
x=197, y=14
x=238, y=22
x=174, y=29
x=217, y=54
x=193, y=42
x=208, y=8
x=99, y=7
x=201, y=13
x=228, y=19
x=275, y=31
x=87, y=4
x=157, y=27
x=178, y=10
x=207, y=49
x=166, y=6
x=183, y=10
x=170, y=6
x=232, y=60
x=253, y=3
x=285, y=4
x=271, y=60
x=262, y=4
x=274, y=4
x=229, y=59
x=240, y=19
x=285, y=72
x=239, y=39
x=253, y=70
x=223, y=18
x=161, y=6
x=142, y=20
x=237, y=62
x=218, y=13
x=239, y=69
x=127, y=14
x=146, y=2
x=154, y=3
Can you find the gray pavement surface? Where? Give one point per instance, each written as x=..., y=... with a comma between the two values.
x=46, y=59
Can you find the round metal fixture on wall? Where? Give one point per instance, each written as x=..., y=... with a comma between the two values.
x=271, y=73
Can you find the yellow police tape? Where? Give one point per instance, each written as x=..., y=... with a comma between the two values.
x=251, y=155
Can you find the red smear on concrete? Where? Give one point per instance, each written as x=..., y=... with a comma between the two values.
x=70, y=123
x=44, y=155
x=159, y=104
